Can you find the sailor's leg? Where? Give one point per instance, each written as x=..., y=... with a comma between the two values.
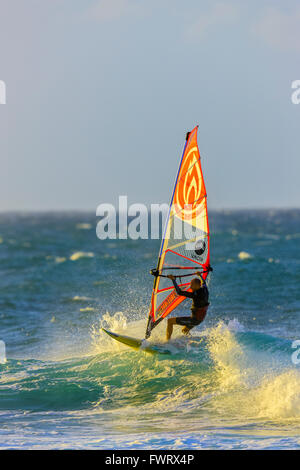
x=192, y=321
x=188, y=323
x=170, y=324
x=185, y=330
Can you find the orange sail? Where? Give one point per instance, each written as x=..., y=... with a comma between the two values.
x=185, y=244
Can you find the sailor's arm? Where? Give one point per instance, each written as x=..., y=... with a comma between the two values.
x=178, y=290
x=200, y=275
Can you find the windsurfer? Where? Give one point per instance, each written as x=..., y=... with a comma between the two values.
x=199, y=295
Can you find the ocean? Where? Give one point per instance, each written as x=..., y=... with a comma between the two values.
x=234, y=384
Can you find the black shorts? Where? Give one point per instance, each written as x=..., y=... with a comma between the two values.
x=190, y=322
x=196, y=318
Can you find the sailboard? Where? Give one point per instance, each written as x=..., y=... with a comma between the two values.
x=137, y=344
x=185, y=247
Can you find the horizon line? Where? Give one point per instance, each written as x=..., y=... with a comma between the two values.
x=91, y=211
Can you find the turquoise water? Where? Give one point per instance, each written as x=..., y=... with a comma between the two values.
x=65, y=385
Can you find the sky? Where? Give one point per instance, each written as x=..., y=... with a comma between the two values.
x=100, y=95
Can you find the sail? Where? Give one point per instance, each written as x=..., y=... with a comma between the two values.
x=185, y=244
